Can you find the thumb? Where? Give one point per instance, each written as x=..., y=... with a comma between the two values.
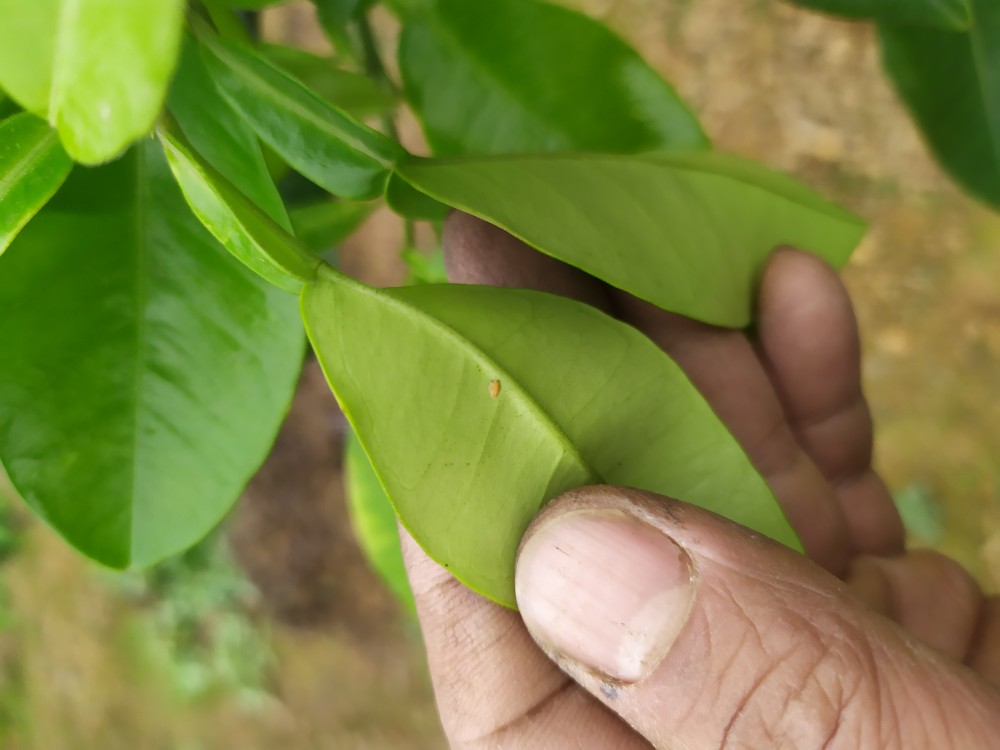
x=701, y=634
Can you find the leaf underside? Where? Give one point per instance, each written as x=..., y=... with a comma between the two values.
x=582, y=398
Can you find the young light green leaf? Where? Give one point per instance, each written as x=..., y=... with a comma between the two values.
x=247, y=232
x=323, y=225
x=523, y=76
x=354, y=93
x=687, y=232
x=949, y=82
x=469, y=445
x=113, y=61
x=218, y=134
x=32, y=167
x=374, y=521
x=322, y=142
x=942, y=14
x=27, y=48
x=134, y=443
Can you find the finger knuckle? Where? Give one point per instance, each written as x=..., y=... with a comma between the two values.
x=818, y=691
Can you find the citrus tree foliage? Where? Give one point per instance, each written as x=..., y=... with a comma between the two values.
x=154, y=281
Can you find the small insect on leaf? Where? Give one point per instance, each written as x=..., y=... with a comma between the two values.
x=494, y=388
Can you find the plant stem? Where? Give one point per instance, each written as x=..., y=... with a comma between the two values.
x=375, y=69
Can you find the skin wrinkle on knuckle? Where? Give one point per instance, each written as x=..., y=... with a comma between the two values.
x=824, y=657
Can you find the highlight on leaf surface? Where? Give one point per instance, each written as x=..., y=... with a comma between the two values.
x=321, y=141
x=32, y=167
x=467, y=464
x=219, y=135
x=134, y=443
x=688, y=232
x=97, y=69
x=253, y=237
x=524, y=76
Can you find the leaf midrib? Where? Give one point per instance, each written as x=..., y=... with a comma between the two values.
x=335, y=278
x=291, y=105
x=141, y=300
x=827, y=209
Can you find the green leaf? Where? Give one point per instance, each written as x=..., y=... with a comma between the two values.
x=425, y=269
x=32, y=167
x=113, y=62
x=322, y=142
x=950, y=82
x=355, y=93
x=27, y=48
x=921, y=511
x=944, y=14
x=323, y=225
x=218, y=134
x=374, y=521
x=582, y=398
x=522, y=76
x=411, y=203
x=8, y=107
x=337, y=16
x=145, y=372
x=341, y=12
x=253, y=237
x=687, y=232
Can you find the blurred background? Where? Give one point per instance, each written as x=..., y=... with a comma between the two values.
x=275, y=633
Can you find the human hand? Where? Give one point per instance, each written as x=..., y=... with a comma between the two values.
x=677, y=629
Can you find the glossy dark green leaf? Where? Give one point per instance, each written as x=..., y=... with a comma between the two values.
x=687, y=232
x=355, y=93
x=27, y=49
x=522, y=76
x=145, y=371
x=322, y=142
x=112, y=66
x=323, y=225
x=945, y=14
x=245, y=230
x=374, y=521
x=476, y=405
x=8, y=107
x=985, y=34
x=950, y=82
x=32, y=167
x=219, y=135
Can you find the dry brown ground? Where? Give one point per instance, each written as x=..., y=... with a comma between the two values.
x=796, y=90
